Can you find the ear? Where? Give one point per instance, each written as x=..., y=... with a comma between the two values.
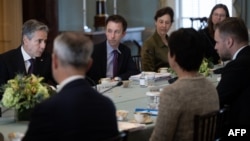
x=25, y=39
x=54, y=61
x=124, y=33
x=172, y=61
x=89, y=64
x=229, y=42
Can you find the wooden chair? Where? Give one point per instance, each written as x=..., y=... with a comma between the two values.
x=134, y=46
x=135, y=49
x=122, y=136
x=211, y=126
x=205, y=126
x=1, y=137
x=221, y=123
x=137, y=60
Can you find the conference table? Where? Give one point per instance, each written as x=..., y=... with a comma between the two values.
x=124, y=99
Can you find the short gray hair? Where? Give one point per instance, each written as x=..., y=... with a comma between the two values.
x=73, y=48
x=30, y=26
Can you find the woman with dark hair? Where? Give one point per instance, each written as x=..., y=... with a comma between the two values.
x=155, y=48
x=191, y=94
x=218, y=14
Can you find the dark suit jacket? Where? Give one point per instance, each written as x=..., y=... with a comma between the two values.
x=234, y=88
x=76, y=112
x=126, y=66
x=12, y=63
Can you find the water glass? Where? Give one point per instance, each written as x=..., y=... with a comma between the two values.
x=150, y=79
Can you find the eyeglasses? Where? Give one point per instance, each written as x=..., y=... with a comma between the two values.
x=219, y=15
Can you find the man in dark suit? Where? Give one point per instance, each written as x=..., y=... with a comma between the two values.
x=231, y=38
x=34, y=37
x=103, y=55
x=77, y=111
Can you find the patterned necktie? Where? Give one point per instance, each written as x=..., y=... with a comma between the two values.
x=31, y=68
x=115, y=63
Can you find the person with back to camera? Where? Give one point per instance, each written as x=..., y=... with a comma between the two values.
x=191, y=94
x=218, y=14
x=232, y=43
x=34, y=38
x=77, y=111
x=155, y=48
x=110, y=51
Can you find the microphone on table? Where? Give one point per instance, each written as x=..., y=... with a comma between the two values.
x=91, y=81
x=117, y=84
x=172, y=80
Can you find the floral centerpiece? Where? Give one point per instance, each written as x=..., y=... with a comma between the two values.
x=204, y=69
x=24, y=91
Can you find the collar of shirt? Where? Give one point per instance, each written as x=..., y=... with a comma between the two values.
x=26, y=56
x=158, y=40
x=110, y=49
x=237, y=52
x=68, y=80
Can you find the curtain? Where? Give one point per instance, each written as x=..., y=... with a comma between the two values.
x=162, y=3
x=241, y=8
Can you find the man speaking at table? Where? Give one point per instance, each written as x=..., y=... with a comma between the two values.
x=30, y=57
x=77, y=112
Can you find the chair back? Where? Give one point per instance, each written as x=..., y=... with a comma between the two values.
x=122, y=136
x=205, y=126
x=1, y=137
x=134, y=46
x=137, y=60
x=221, y=126
x=135, y=49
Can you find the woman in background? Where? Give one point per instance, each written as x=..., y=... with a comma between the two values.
x=218, y=14
x=155, y=48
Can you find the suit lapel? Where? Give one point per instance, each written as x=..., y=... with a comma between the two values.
x=20, y=62
x=120, y=58
x=104, y=60
x=244, y=51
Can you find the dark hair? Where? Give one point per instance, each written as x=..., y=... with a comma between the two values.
x=235, y=27
x=164, y=11
x=187, y=46
x=210, y=23
x=117, y=19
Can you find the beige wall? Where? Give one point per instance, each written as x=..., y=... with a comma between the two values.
x=10, y=24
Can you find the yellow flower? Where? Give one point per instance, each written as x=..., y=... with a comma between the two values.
x=25, y=91
x=205, y=67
